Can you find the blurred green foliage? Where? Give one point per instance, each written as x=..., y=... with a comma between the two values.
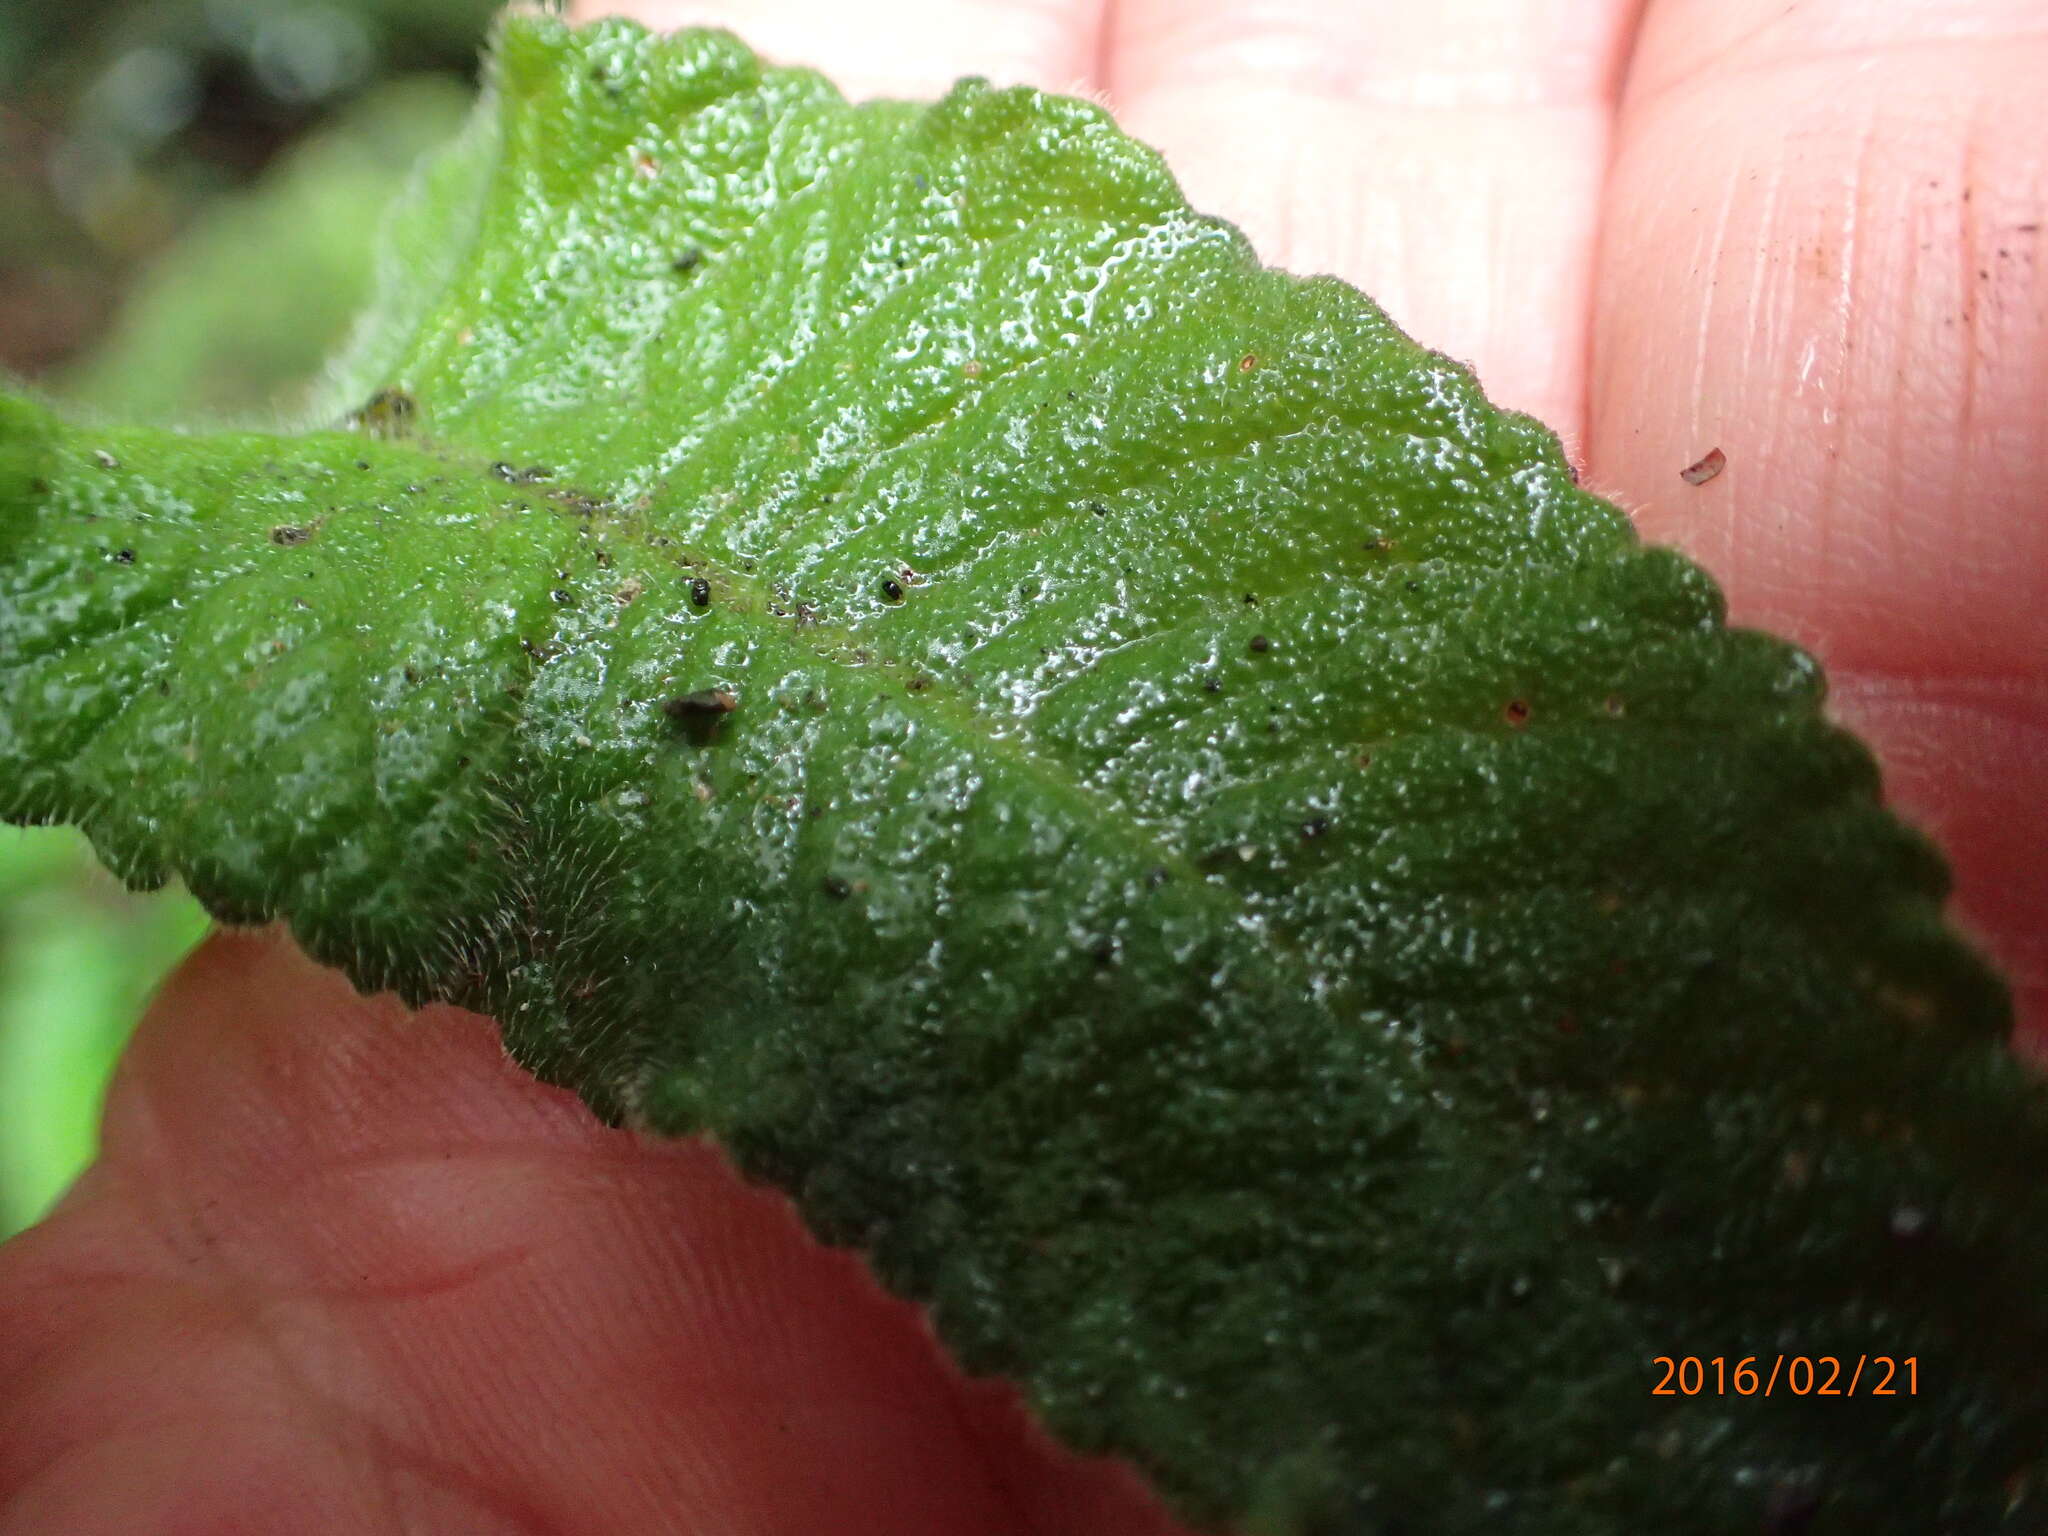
x=78, y=956
x=239, y=314
x=213, y=173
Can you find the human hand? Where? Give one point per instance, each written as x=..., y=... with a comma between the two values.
x=341, y=1268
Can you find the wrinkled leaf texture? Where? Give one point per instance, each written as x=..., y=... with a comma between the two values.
x=1224, y=871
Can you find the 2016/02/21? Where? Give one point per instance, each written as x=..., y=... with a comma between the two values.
x=1689, y=1376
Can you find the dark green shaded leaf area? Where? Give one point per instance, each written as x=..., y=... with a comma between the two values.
x=1110, y=774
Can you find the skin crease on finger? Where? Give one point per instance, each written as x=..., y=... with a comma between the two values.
x=344, y=1261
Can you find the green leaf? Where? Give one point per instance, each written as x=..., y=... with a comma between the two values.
x=1117, y=779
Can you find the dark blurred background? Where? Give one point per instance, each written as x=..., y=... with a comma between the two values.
x=190, y=192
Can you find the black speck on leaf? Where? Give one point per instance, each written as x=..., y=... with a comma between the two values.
x=700, y=592
x=289, y=534
x=1261, y=645
x=892, y=590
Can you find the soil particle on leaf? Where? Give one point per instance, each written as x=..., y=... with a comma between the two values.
x=701, y=715
x=705, y=703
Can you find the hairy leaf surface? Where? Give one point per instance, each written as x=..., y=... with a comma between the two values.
x=1109, y=773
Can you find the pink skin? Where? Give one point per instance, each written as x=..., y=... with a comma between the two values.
x=342, y=1269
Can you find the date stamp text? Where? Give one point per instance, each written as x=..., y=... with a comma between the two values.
x=1797, y=1375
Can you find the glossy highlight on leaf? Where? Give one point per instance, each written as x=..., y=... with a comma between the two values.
x=1106, y=771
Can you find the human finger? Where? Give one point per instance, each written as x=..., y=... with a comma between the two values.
x=345, y=1258
x=1823, y=257
x=1447, y=158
